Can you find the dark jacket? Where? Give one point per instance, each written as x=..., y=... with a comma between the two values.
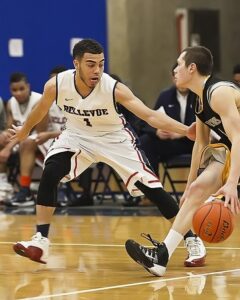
x=168, y=100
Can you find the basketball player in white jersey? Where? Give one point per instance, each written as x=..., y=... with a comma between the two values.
x=18, y=108
x=56, y=121
x=95, y=132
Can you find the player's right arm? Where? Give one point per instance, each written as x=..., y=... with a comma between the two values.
x=156, y=119
x=202, y=140
x=38, y=112
x=9, y=115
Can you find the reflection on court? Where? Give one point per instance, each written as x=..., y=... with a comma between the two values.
x=88, y=261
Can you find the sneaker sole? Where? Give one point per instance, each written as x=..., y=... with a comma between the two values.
x=21, y=204
x=33, y=253
x=137, y=255
x=199, y=262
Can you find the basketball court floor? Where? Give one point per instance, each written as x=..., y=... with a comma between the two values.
x=88, y=259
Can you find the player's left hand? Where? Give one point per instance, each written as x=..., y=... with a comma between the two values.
x=229, y=191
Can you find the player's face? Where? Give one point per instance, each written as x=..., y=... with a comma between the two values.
x=90, y=68
x=20, y=90
x=181, y=73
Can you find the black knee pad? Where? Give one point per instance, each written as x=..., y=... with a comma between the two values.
x=164, y=201
x=56, y=167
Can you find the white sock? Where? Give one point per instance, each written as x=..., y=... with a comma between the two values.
x=172, y=240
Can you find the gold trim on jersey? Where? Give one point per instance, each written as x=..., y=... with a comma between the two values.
x=199, y=105
x=226, y=161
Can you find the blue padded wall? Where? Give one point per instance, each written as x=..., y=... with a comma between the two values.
x=46, y=27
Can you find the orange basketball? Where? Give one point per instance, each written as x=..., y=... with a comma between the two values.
x=213, y=222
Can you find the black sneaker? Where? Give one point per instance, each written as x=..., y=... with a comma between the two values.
x=22, y=198
x=83, y=200
x=131, y=201
x=153, y=259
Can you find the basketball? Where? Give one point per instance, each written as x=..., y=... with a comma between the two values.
x=213, y=222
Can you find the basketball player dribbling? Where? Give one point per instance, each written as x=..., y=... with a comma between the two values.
x=217, y=108
x=96, y=132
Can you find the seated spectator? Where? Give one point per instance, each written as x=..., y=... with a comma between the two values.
x=18, y=108
x=236, y=74
x=5, y=188
x=34, y=148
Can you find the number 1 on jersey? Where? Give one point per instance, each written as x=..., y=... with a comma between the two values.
x=87, y=122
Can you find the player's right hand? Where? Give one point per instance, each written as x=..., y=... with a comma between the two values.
x=229, y=191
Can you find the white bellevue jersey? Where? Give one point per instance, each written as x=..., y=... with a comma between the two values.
x=56, y=123
x=57, y=119
x=94, y=115
x=96, y=132
x=20, y=117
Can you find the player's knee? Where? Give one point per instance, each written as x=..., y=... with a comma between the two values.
x=196, y=190
x=46, y=202
x=166, y=204
x=28, y=144
x=56, y=167
x=47, y=193
x=50, y=174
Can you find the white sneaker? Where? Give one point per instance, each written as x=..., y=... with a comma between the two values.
x=5, y=196
x=36, y=249
x=6, y=187
x=196, y=252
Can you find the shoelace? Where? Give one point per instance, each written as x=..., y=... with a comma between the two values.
x=38, y=237
x=23, y=195
x=148, y=237
x=193, y=247
x=152, y=252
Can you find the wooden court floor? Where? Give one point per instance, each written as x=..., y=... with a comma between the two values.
x=88, y=261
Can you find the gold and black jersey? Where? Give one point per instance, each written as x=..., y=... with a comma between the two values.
x=207, y=115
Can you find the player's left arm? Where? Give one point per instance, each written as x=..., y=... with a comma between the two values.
x=156, y=119
x=224, y=102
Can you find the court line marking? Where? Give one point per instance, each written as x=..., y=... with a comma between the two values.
x=119, y=246
x=128, y=285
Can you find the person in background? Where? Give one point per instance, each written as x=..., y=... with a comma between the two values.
x=33, y=150
x=18, y=108
x=236, y=74
x=6, y=188
x=2, y=122
x=160, y=145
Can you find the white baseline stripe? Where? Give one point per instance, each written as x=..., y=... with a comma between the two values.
x=118, y=246
x=128, y=285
